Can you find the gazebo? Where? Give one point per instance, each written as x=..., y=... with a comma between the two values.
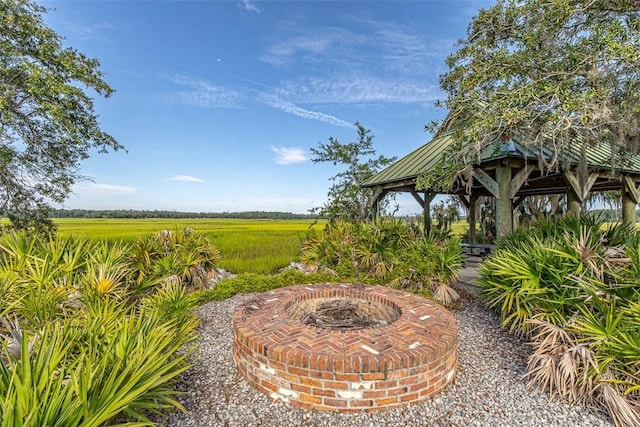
x=509, y=172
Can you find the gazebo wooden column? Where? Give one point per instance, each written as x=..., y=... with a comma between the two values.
x=473, y=204
x=504, y=207
x=574, y=206
x=499, y=188
x=376, y=200
x=504, y=188
x=630, y=197
x=426, y=207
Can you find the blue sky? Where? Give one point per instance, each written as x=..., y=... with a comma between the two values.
x=219, y=102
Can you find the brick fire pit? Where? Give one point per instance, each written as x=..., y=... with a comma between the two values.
x=409, y=355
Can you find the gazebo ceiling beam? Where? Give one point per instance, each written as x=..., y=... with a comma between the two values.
x=632, y=188
x=581, y=189
x=487, y=182
x=416, y=196
x=402, y=186
x=518, y=180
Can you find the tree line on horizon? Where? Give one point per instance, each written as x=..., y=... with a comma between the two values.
x=145, y=214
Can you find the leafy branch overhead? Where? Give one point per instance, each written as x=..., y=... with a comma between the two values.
x=554, y=75
x=47, y=120
x=347, y=200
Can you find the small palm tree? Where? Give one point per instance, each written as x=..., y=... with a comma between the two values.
x=449, y=260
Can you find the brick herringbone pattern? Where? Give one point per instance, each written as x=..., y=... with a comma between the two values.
x=411, y=358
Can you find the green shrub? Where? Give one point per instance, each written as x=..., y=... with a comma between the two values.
x=87, y=372
x=79, y=343
x=572, y=288
x=185, y=253
x=388, y=252
x=170, y=301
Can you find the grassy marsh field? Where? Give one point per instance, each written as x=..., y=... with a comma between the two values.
x=247, y=245
x=256, y=246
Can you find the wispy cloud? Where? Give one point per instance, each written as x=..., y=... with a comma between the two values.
x=308, y=47
x=359, y=44
x=289, y=155
x=407, y=53
x=203, y=94
x=184, y=178
x=359, y=62
x=288, y=107
x=250, y=6
x=207, y=95
x=359, y=89
x=95, y=188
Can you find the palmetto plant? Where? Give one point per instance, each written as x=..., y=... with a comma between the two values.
x=516, y=283
x=170, y=301
x=14, y=338
x=16, y=251
x=70, y=353
x=333, y=248
x=185, y=253
x=387, y=252
x=62, y=381
x=133, y=372
x=577, y=301
x=9, y=299
x=595, y=357
x=108, y=271
x=449, y=260
x=560, y=364
x=34, y=387
x=39, y=275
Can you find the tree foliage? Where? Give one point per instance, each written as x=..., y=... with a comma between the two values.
x=347, y=200
x=555, y=75
x=445, y=213
x=47, y=119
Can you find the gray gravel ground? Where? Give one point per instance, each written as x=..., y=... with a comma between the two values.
x=488, y=389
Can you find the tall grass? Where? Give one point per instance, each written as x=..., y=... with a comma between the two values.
x=247, y=246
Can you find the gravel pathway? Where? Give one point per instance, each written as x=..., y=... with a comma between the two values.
x=488, y=389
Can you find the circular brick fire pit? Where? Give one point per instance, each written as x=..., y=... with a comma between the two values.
x=407, y=353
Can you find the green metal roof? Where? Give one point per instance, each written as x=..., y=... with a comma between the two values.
x=598, y=158
x=411, y=165
x=427, y=156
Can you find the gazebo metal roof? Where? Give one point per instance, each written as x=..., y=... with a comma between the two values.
x=510, y=172
x=426, y=157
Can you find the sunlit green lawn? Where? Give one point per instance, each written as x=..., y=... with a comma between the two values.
x=459, y=228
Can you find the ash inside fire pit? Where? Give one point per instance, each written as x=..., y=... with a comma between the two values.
x=342, y=314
